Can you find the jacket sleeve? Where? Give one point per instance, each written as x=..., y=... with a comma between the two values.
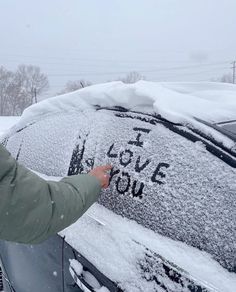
x=32, y=209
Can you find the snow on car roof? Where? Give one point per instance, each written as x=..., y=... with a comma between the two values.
x=177, y=102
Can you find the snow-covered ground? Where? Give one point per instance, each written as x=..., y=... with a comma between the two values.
x=7, y=122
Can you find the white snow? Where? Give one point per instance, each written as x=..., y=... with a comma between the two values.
x=55, y=273
x=87, y=276
x=91, y=280
x=76, y=266
x=176, y=102
x=114, y=250
x=102, y=289
x=7, y=122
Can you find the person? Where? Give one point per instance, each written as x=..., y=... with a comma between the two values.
x=32, y=209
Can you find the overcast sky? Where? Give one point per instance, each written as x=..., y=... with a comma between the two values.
x=100, y=40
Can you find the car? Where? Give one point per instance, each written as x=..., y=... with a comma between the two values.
x=167, y=220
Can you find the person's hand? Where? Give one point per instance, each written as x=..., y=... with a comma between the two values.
x=100, y=173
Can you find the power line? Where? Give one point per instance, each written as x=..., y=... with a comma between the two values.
x=87, y=59
x=133, y=68
x=169, y=70
x=234, y=66
x=119, y=60
x=127, y=71
x=196, y=73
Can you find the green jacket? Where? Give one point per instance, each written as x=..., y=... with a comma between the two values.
x=32, y=209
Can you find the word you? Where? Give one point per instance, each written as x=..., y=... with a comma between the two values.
x=125, y=157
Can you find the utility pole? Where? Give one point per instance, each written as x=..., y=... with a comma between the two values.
x=35, y=95
x=234, y=69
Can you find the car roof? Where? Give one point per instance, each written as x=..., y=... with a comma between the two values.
x=176, y=102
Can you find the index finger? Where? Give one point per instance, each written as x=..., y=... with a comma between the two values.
x=106, y=167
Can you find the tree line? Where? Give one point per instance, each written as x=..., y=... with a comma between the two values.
x=131, y=77
x=19, y=89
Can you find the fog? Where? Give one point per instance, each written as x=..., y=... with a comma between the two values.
x=165, y=40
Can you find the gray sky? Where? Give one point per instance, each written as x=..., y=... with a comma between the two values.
x=100, y=40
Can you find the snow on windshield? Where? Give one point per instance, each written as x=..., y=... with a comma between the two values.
x=159, y=178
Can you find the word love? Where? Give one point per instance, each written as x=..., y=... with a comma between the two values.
x=124, y=183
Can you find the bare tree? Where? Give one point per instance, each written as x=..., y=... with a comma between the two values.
x=6, y=85
x=132, y=77
x=19, y=89
x=75, y=85
x=226, y=78
x=32, y=81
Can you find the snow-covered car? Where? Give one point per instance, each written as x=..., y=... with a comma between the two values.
x=168, y=220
